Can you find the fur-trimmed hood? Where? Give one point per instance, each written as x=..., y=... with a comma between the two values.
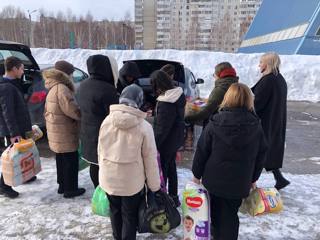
x=53, y=77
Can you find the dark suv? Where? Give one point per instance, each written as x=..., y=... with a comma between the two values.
x=32, y=83
x=183, y=77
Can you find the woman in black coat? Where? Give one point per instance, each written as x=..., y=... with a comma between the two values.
x=168, y=127
x=95, y=96
x=271, y=106
x=229, y=158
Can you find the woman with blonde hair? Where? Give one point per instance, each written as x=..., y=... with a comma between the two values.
x=229, y=158
x=271, y=106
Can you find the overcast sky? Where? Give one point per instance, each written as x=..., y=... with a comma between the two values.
x=100, y=9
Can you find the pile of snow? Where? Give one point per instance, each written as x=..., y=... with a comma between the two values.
x=40, y=213
x=301, y=72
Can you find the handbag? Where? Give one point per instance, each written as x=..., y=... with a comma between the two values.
x=157, y=213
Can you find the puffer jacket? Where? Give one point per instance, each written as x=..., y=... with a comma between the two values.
x=62, y=113
x=14, y=115
x=95, y=95
x=169, y=120
x=127, y=152
x=230, y=153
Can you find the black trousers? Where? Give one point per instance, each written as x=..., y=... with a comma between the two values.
x=67, y=170
x=4, y=143
x=224, y=218
x=169, y=170
x=94, y=174
x=124, y=215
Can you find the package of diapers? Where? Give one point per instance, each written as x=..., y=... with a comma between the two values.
x=261, y=201
x=196, y=213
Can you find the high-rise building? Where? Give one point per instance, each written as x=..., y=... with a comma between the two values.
x=197, y=24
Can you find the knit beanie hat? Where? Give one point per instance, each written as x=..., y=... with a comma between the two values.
x=132, y=96
x=65, y=67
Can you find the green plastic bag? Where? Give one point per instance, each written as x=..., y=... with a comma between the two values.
x=100, y=203
x=83, y=164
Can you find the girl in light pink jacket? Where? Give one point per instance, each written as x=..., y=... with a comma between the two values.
x=127, y=158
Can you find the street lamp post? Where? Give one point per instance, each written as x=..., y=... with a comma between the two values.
x=30, y=28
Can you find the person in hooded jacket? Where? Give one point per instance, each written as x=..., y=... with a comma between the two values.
x=62, y=116
x=127, y=159
x=225, y=75
x=168, y=127
x=229, y=159
x=271, y=106
x=128, y=74
x=95, y=95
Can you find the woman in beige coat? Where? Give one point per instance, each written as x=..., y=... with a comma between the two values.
x=62, y=116
x=127, y=158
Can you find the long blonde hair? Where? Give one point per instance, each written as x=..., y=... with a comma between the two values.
x=273, y=62
x=238, y=95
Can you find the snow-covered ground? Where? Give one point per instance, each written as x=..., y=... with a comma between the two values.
x=40, y=213
x=301, y=72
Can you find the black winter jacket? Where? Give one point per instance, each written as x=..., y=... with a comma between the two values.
x=270, y=103
x=95, y=95
x=169, y=120
x=128, y=69
x=14, y=114
x=230, y=153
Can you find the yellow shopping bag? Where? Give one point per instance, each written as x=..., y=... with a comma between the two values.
x=261, y=201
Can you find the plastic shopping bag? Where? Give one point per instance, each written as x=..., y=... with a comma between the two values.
x=83, y=164
x=262, y=201
x=20, y=162
x=100, y=203
x=196, y=212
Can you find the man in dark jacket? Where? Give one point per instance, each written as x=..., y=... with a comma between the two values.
x=128, y=74
x=95, y=96
x=271, y=106
x=225, y=75
x=14, y=116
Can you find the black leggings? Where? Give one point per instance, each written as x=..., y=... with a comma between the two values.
x=169, y=170
x=94, y=174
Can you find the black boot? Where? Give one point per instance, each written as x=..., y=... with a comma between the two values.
x=74, y=193
x=60, y=189
x=31, y=179
x=8, y=192
x=281, y=182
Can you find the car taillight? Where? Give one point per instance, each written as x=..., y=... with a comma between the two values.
x=38, y=97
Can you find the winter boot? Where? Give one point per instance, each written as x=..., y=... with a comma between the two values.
x=74, y=193
x=60, y=189
x=8, y=192
x=281, y=182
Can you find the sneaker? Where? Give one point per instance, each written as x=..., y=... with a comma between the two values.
x=31, y=179
x=74, y=193
x=9, y=192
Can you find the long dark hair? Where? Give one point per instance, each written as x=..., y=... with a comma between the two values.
x=160, y=82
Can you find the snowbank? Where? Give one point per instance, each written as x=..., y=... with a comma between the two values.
x=301, y=72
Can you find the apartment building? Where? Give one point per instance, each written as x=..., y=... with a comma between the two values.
x=195, y=24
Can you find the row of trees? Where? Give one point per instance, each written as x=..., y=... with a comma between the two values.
x=65, y=30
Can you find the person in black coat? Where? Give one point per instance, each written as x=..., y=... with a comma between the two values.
x=128, y=74
x=168, y=127
x=271, y=106
x=95, y=95
x=14, y=115
x=229, y=158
